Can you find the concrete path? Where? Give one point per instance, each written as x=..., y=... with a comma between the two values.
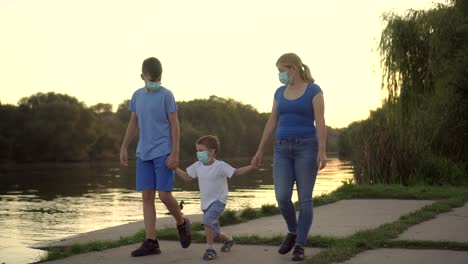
x=450, y=226
x=409, y=256
x=339, y=219
x=112, y=233
x=173, y=253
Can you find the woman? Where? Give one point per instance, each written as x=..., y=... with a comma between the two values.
x=299, y=147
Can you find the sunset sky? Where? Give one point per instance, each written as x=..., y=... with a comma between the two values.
x=93, y=50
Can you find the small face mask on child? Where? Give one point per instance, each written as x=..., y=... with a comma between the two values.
x=203, y=156
x=153, y=86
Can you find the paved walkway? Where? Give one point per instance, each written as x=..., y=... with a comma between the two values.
x=339, y=219
x=112, y=233
x=450, y=226
x=173, y=253
x=410, y=256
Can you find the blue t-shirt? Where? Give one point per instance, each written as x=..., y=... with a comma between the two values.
x=296, y=117
x=152, y=110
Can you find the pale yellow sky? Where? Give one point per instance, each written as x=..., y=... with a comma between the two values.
x=93, y=50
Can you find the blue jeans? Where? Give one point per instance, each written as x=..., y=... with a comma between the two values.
x=295, y=160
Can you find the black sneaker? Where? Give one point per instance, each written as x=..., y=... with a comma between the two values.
x=148, y=247
x=185, y=235
x=210, y=254
x=298, y=253
x=288, y=243
x=227, y=245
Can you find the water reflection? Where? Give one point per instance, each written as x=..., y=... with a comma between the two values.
x=40, y=202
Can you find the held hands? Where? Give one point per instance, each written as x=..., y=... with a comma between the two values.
x=321, y=160
x=172, y=161
x=257, y=160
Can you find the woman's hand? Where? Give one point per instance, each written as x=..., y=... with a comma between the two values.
x=322, y=160
x=257, y=160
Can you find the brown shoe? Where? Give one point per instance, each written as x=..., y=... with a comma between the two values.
x=185, y=235
x=148, y=247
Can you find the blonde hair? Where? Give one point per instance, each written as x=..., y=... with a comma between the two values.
x=290, y=60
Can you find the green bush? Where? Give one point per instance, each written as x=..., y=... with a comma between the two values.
x=229, y=217
x=249, y=213
x=269, y=209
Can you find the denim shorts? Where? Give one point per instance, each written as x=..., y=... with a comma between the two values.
x=211, y=216
x=154, y=175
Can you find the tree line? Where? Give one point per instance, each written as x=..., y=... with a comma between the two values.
x=419, y=135
x=58, y=127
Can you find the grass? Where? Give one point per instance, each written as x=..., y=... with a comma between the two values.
x=338, y=249
x=417, y=244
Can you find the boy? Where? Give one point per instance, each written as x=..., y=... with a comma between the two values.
x=154, y=112
x=212, y=175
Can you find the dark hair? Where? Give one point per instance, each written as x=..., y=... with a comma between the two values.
x=210, y=142
x=152, y=67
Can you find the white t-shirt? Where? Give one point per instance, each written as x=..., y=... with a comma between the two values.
x=212, y=181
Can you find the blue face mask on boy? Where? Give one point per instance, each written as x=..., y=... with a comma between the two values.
x=203, y=156
x=283, y=77
x=153, y=86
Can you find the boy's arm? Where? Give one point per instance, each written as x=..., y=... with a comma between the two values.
x=129, y=135
x=173, y=160
x=183, y=175
x=242, y=170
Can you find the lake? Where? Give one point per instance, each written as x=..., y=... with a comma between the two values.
x=41, y=202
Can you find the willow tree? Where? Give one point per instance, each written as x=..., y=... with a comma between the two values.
x=419, y=135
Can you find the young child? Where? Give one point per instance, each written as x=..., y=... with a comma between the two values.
x=212, y=177
x=154, y=112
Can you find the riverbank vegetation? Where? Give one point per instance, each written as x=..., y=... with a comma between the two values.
x=419, y=134
x=58, y=127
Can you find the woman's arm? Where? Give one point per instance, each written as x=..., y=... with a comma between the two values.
x=319, y=112
x=267, y=131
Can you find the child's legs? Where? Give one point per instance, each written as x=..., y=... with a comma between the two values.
x=146, y=183
x=209, y=234
x=164, y=185
x=223, y=236
x=211, y=221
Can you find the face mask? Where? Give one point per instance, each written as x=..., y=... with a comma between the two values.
x=153, y=86
x=203, y=156
x=283, y=77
